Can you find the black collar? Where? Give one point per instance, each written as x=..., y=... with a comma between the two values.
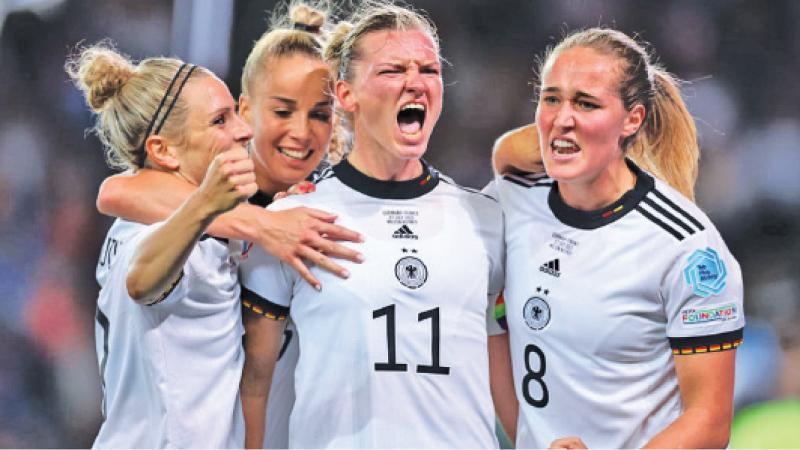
x=589, y=220
x=392, y=190
x=260, y=198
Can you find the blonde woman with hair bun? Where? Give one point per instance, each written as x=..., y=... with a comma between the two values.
x=287, y=99
x=168, y=316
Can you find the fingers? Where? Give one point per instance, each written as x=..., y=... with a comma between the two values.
x=321, y=215
x=339, y=233
x=301, y=268
x=324, y=262
x=570, y=442
x=303, y=187
x=335, y=250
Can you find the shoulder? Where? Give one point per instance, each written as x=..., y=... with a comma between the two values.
x=473, y=198
x=672, y=213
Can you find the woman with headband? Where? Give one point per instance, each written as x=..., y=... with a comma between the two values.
x=287, y=99
x=168, y=316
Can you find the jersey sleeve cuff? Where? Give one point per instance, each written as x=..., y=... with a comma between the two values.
x=706, y=344
x=167, y=292
x=263, y=307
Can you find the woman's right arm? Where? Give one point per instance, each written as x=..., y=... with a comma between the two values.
x=262, y=342
x=292, y=235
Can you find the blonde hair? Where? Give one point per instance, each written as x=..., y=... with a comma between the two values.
x=125, y=97
x=373, y=15
x=666, y=144
x=303, y=30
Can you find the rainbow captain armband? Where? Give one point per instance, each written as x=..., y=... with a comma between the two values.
x=500, y=312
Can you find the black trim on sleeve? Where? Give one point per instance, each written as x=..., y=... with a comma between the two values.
x=589, y=220
x=392, y=190
x=706, y=344
x=263, y=307
x=166, y=293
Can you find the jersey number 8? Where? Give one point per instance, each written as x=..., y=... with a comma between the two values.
x=534, y=376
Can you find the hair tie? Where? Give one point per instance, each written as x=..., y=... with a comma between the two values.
x=314, y=29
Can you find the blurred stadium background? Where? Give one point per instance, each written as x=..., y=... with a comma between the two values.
x=740, y=58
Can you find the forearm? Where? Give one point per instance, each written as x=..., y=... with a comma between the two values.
x=261, y=346
x=695, y=428
x=254, y=391
x=159, y=259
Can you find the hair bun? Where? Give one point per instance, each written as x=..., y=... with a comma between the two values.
x=306, y=18
x=100, y=72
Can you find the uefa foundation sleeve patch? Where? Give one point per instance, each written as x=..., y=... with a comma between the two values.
x=705, y=273
x=709, y=314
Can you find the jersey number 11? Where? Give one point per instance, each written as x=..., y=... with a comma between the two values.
x=392, y=365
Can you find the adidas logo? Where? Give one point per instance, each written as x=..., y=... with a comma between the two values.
x=404, y=232
x=551, y=268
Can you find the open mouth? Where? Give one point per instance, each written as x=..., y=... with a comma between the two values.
x=564, y=147
x=411, y=118
x=300, y=155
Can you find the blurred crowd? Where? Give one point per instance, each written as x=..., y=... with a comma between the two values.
x=738, y=59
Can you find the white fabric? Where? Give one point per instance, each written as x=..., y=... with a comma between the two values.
x=342, y=400
x=171, y=370
x=614, y=294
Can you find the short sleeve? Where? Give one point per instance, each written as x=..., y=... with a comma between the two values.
x=496, y=248
x=266, y=289
x=704, y=297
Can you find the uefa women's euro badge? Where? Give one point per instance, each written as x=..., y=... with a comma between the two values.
x=705, y=273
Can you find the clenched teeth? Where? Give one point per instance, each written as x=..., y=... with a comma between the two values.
x=564, y=147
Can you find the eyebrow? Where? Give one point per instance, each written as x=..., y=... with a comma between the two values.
x=292, y=102
x=556, y=90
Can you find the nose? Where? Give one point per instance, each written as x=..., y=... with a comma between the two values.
x=299, y=128
x=564, y=116
x=414, y=82
x=242, y=131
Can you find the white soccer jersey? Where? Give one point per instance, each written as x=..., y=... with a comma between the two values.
x=395, y=355
x=170, y=371
x=598, y=302
x=281, y=391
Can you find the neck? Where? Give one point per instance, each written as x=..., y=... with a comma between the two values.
x=600, y=191
x=268, y=186
x=381, y=166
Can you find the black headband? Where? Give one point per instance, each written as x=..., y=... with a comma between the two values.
x=143, y=154
x=306, y=27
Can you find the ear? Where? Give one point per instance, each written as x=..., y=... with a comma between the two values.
x=345, y=96
x=634, y=120
x=160, y=153
x=244, y=108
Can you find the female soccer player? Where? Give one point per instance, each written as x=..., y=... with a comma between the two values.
x=168, y=316
x=395, y=355
x=287, y=99
x=623, y=332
